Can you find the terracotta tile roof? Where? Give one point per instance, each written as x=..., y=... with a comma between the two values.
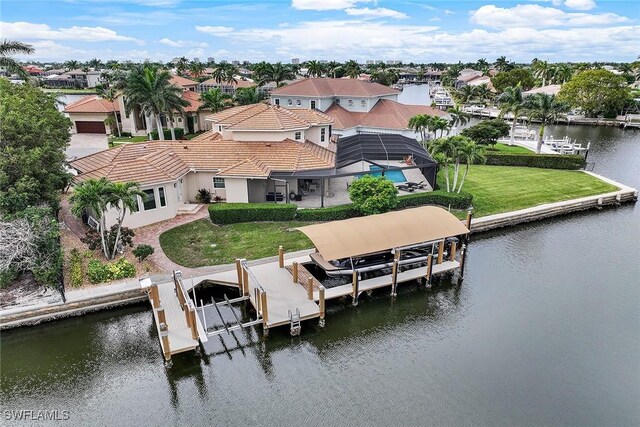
x=263, y=116
x=194, y=101
x=161, y=161
x=385, y=114
x=327, y=87
x=239, y=83
x=92, y=104
x=182, y=82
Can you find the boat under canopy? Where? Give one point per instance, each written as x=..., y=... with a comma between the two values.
x=375, y=233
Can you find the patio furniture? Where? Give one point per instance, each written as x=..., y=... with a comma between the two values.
x=275, y=197
x=406, y=188
x=419, y=185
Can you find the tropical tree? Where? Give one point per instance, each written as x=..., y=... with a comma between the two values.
x=72, y=64
x=502, y=64
x=123, y=196
x=451, y=153
x=543, y=70
x=482, y=65
x=182, y=64
x=511, y=101
x=466, y=93
x=458, y=117
x=511, y=78
x=335, y=69
x=421, y=123
x=546, y=109
x=109, y=94
x=95, y=63
x=173, y=104
x=196, y=69
x=280, y=73
x=487, y=132
x=562, y=73
x=469, y=152
x=352, y=69
x=247, y=96
x=596, y=92
x=9, y=48
x=483, y=93
x=439, y=124
x=314, y=69
x=214, y=100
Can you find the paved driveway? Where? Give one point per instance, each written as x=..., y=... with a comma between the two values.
x=83, y=144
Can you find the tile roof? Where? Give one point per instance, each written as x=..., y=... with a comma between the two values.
x=238, y=83
x=264, y=116
x=161, y=161
x=385, y=114
x=92, y=104
x=182, y=82
x=194, y=101
x=327, y=87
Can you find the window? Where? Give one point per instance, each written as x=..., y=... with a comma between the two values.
x=277, y=101
x=163, y=200
x=179, y=119
x=218, y=182
x=323, y=131
x=298, y=102
x=298, y=136
x=150, y=201
x=313, y=105
x=363, y=103
x=289, y=102
x=219, y=128
x=350, y=102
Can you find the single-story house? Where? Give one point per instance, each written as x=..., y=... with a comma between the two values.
x=89, y=113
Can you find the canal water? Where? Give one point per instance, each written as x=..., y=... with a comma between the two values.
x=544, y=330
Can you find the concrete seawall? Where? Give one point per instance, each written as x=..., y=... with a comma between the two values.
x=129, y=292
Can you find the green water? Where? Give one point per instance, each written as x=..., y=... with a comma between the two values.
x=544, y=330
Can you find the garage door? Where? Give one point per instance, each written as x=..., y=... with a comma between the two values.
x=90, y=127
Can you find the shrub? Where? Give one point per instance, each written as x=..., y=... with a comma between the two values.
x=546, y=161
x=141, y=252
x=179, y=132
x=99, y=272
x=487, y=132
x=460, y=200
x=231, y=213
x=327, y=214
x=75, y=268
x=203, y=196
x=92, y=238
x=373, y=194
x=7, y=276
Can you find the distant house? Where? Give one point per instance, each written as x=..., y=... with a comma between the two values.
x=184, y=83
x=89, y=113
x=357, y=106
x=228, y=88
x=548, y=90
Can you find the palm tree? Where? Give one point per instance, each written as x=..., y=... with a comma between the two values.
x=546, y=109
x=458, y=117
x=421, y=123
x=511, y=101
x=95, y=63
x=218, y=74
x=482, y=65
x=352, y=69
x=280, y=73
x=214, y=100
x=196, y=69
x=72, y=64
x=173, y=103
x=122, y=196
x=247, y=96
x=334, y=68
x=562, y=73
x=182, y=64
x=469, y=152
x=9, y=48
x=110, y=94
x=444, y=151
x=230, y=72
x=314, y=69
x=501, y=63
x=89, y=195
x=543, y=70
x=439, y=124
x=149, y=88
x=466, y=93
x=483, y=93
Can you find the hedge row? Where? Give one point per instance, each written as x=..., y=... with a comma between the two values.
x=327, y=214
x=460, y=200
x=230, y=213
x=533, y=160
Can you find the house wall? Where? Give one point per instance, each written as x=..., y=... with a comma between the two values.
x=302, y=101
x=87, y=117
x=142, y=217
x=237, y=190
x=194, y=181
x=264, y=135
x=313, y=135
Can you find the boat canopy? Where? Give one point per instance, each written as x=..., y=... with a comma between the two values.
x=375, y=233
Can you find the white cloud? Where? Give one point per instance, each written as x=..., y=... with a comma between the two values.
x=449, y=12
x=533, y=15
x=31, y=31
x=325, y=4
x=182, y=43
x=197, y=52
x=580, y=4
x=214, y=31
x=49, y=50
x=380, y=12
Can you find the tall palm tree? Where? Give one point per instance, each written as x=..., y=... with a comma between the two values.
x=466, y=93
x=230, y=73
x=9, y=48
x=95, y=63
x=482, y=65
x=196, y=69
x=543, y=70
x=280, y=73
x=173, y=104
x=182, y=64
x=444, y=151
x=314, y=69
x=421, y=123
x=352, y=69
x=90, y=195
x=562, y=73
x=501, y=63
x=219, y=74
x=458, y=117
x=122, y=196
x=333, y=69
x=247, y=96
x=483, y=93
x=109, y=94
x=72, y=64
x=439, y=124
x=150, y=89
x=214, y=100
x=469, y=152
x=511, y=101
x=546, y=109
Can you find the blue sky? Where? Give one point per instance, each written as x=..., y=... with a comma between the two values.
x=411, y=30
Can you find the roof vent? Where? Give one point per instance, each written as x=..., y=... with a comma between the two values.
x=268, y=145
x=171, y=153
x=185, y=147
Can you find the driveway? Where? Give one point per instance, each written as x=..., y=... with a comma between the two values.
x=83, y=144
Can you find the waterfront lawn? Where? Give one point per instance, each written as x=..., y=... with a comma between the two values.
x=201, y=242
x=498, y=189
x=509, y=149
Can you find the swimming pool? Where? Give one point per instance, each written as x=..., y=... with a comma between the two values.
x=392, y=175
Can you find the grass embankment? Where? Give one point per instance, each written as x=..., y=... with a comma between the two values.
x=495, y=189
x=509, y=149
x=201, y=243
x=498, y=189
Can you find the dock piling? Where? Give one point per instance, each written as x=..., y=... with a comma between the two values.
x=355, y=288
x=155, y=296
x=452, y=255
x=394, y=274
x=239, y=271
x=281, y=256
x=321, y=303
x=440, y=252
x=463, y=254
x=164, y=335
x=245, y=282
x=265, y=311
x=162, y=317
x=310, y=288
x=294, y=272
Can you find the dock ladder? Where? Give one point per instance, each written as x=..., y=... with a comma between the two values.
x=295, y=322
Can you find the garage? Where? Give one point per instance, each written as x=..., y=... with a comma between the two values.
x=90, y=127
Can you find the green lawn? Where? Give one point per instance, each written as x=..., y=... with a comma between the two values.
x=129, y=138
x=498, y=189
x=511, y=149
x=201, y=243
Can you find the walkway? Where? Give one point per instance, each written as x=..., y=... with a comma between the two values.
x=83, y=144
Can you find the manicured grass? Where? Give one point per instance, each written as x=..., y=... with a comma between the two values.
x=129, y=138
x=190, y=244
x=498, y=189
x=510, y=149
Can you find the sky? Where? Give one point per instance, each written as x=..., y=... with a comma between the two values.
x=279, y=30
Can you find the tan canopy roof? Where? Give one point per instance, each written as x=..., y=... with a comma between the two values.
x=374, y=233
